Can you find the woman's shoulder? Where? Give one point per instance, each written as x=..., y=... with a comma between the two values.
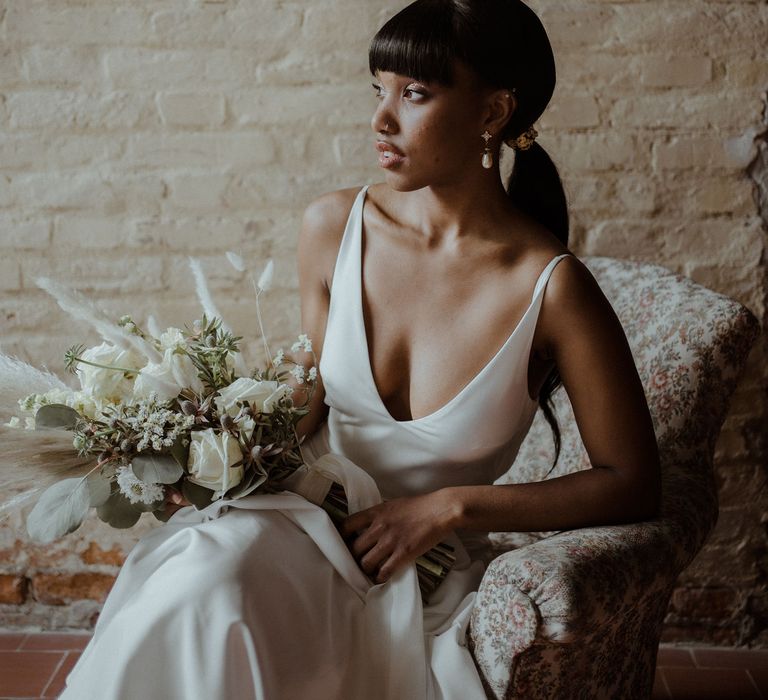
x=322, y=229
x=574, y=303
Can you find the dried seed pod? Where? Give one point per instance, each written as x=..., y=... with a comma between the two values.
x=227, y=422
x=188, y=408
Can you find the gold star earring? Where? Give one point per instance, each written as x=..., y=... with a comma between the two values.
x=487, y=160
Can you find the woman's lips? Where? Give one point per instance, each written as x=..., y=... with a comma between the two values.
x=389, y=155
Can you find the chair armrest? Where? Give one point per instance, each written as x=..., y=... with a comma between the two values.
x=567, y=587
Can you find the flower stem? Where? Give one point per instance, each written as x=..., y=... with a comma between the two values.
x=96, y=364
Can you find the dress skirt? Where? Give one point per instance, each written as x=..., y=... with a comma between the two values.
x=260, y=599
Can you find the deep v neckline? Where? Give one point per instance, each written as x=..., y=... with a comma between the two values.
x=358, y=256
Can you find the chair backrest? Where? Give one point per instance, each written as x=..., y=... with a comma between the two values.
x=689, y=344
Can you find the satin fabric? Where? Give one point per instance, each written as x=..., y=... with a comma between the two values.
x=260, y=598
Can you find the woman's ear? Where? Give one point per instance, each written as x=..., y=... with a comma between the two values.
x=500, y=106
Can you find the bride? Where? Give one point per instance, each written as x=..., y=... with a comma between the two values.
x=445, y=308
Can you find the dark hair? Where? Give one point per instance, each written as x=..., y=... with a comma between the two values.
x=505, y=44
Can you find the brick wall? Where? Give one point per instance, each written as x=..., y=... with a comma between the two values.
x=133, y=135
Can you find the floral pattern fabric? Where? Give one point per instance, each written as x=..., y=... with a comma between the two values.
x=578, y=614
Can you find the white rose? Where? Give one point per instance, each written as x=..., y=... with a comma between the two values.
x=168, y=378
x=262, y=395
x=108, y=383
x=210, y=461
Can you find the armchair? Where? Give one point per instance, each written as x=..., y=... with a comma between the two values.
x=578, y=614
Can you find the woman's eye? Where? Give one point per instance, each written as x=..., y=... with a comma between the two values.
x=377, y=89
x=413, y=93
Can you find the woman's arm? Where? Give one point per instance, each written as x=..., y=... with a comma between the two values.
x=319, y=239
x=578, y=329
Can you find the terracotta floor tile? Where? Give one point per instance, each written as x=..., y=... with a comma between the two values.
x=9, y=641
x=660, y=691
x=672, y=656
x=710, y=684
x=25, y=674
x=760, y=678
x=56, y=642
x=709, y=657
x=57, y=682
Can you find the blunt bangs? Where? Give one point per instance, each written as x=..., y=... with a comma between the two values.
x=420, y=42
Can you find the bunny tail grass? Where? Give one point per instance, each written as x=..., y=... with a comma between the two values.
x=18, y=379
x=77, y=306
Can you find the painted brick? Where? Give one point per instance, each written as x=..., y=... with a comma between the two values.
x=191, y=109
x=22, y=235
x=674, y=70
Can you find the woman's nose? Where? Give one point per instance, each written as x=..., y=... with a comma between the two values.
x=383, y=121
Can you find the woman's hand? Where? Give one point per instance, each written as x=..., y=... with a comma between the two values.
x=391, y=535
x=173, y=501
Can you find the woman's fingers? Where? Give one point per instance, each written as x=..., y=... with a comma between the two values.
x=372, y=562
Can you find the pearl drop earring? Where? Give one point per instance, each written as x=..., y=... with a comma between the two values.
x=487, y=160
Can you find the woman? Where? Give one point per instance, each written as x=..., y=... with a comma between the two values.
x=440, y=303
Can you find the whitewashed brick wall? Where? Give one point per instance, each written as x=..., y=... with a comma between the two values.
x=135, y=134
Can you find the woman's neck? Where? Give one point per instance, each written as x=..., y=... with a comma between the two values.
x=446, y=213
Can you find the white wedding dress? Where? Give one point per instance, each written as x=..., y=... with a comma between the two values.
x=261, y=599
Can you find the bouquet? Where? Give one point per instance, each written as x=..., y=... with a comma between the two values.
x=174, y=409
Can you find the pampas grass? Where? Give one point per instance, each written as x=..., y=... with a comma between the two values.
x=33, y=460
x=77, y=306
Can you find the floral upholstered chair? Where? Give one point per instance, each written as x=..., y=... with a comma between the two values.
x=578, y=614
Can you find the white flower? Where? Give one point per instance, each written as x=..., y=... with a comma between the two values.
x=278, y=359
x=298, y=373
x=210, y=461
x=172, y=338
x=108, y=384
x=262, y=395
x=13, y=423
x=136, y=490
x=312, y=376
x=169, y=377
x=158, y=425
x=303, y=343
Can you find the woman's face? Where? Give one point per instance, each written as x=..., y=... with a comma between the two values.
x=427, y=133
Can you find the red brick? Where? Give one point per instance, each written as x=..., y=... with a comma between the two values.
x=13, y=589
x=60, y=589
x=96, y=555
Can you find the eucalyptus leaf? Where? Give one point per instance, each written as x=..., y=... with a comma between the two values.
x=60, y=510
x=198, y=496
x=56, y=415
x=162, y=514
x=180, y=453
x=99, y=489
x=148, y=507
x=118, y=512
x=240, y=493
x=156, y=469
x=248, y=485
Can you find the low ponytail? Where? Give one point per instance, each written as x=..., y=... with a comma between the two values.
x=536, y=189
